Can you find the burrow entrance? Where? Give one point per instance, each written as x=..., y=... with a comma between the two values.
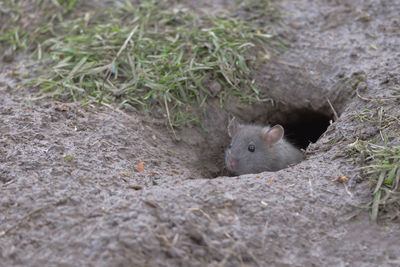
x=302, y=127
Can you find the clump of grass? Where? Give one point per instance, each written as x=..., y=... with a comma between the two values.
x=25, y=24
x=382, y=159
x=383, y=170
x=149, y=54
x=267, y=17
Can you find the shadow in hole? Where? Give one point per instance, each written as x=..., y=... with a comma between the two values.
x=305, y=126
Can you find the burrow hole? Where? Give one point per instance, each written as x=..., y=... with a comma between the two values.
x=302, y=127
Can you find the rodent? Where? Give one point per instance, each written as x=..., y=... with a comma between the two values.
x=255, y=149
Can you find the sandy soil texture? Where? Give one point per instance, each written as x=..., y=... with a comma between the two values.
x=71, y=192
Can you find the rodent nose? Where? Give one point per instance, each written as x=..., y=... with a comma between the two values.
x=232, y=163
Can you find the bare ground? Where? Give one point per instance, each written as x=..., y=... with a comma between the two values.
x=71, y=193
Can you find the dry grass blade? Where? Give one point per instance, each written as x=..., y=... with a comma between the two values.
x=119, y=52
x=375, y=206
x=380, y=182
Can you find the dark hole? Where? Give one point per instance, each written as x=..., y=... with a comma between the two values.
x=305, y=126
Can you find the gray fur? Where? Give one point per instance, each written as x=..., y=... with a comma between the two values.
x=273, y=157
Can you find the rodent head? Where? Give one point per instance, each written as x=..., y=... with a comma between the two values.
x=252, y=147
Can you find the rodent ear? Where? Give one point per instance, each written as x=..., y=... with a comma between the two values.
x=272, y=135
x=233, y=127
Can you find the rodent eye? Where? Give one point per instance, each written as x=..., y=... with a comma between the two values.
x=252, y=148
x=230, y=145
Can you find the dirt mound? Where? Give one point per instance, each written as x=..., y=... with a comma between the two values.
x=74, y=190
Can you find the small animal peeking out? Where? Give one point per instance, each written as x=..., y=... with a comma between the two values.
x=256, y=149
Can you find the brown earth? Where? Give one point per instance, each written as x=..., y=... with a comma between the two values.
x=71, y=193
